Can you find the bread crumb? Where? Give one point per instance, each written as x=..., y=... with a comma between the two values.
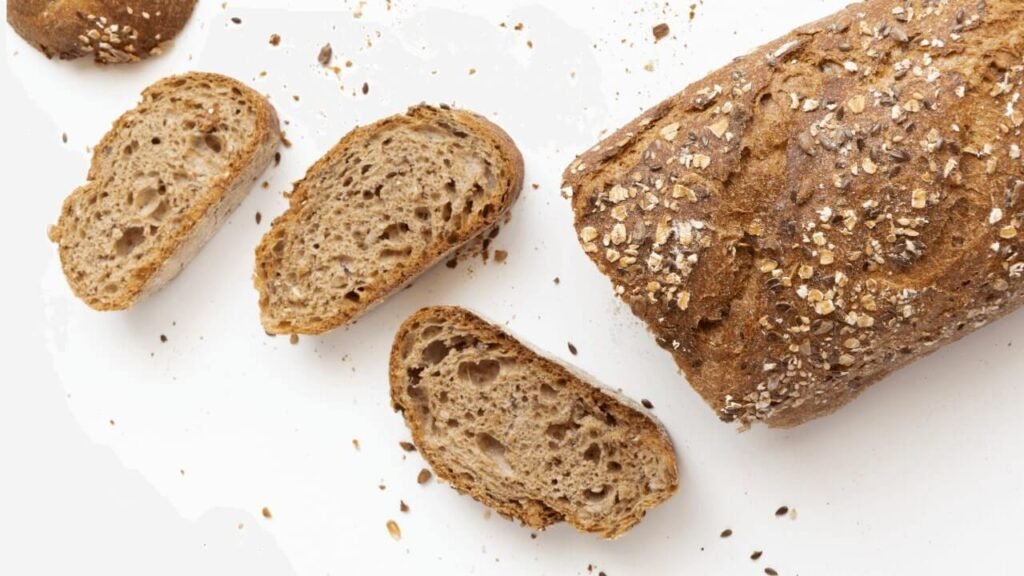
x=325, y=55
x=424, y=476
x=557, y=280
x=500, y=256
x=112, y=422
x=294, y=339
x=572, y=349
x=472, y=71
x=163, y=338
x=649, y=66
x=403, y=507
x=266, y=513
x=355, y=443
x=660, y=31
x=285, y=141
x=275, y=39
x=394, y=530
x=241, y=526
x=407, y=446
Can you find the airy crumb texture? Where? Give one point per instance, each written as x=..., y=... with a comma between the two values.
x=389, y=201
x=521, y=433
x=162, y=181
x=825, y=210
x=110, y=31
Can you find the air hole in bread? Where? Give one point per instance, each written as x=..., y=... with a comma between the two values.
x=614, y=467
x=394, y=231
x=599, y=494
x=558, y=432
x=430, y=332
x=446, y=212
x=592, y=453
x=422, y=213
x=547, y=392
x=494, y=450
x=213, y=142
x=130, y=239
x=480, y=373
x=353, y=296
x=435, y=352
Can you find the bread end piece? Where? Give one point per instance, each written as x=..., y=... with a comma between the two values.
x=523, y=434
x=110, y=31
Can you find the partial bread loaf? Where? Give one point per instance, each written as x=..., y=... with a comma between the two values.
x=111, y=31
x=521, y=433
x=162, y=182
x=388, y=202
x=825, y=210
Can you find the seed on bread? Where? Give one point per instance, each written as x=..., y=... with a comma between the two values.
x=162, y=181
x=388, y=202
x=521, y=433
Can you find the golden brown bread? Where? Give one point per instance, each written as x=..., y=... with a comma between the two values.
x=825, y=210
x=521, y=433
x=111, y=31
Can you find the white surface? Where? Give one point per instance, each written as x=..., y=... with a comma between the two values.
x=122, y=455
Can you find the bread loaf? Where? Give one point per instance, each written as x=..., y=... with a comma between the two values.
x=825, y=210
x=523, y=434
x=111, y=31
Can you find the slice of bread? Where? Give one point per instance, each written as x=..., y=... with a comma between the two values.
x=521, y=433
x=388, y=202
x=162, y=181
x=111, y=31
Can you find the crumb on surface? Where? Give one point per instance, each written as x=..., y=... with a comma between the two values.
x=403, y=507
x=325, y=55
x=500, y=256
x=355, y=443
x=394, y=530
x=163, y=338
x=293, y=339
x=275, y=39
x=424, y=476
x=266, y=513
x=660, y=31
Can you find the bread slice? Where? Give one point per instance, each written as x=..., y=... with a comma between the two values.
x=111, y=31
x=162, y=181
x=388, y=202
x=521, y=433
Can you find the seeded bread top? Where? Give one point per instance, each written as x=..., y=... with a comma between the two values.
x=819, y=212
x=111, y=31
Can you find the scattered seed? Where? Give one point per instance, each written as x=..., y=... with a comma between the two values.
x=572, y=349
x=366, y=88
x=660, y=31
x=259, y=218
x=424, y=476
x=756, y=555
x=557, y=280
x=294, y=339
x=277, y=158
x=771, y=572
x=394, y=530
x=726, y=533
x=782, y=511
x=236, y=20
x=266, y=513
x=275, y=39
x=647, y=404
x=163, y=338
x=407, y=446
x=326, y=53
x=403, y=507
x=64, y=137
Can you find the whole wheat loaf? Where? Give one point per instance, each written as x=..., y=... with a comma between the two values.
x=825, y=210
x=521, y=433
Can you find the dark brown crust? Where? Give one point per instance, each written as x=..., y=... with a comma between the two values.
x=535, y=514
x=111, y=31
x=253, y=158
x=511, y=172
x=919, y=220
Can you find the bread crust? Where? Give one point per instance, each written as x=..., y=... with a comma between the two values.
x=389, y=283
x=205, y=216
x=110, y=31
x=535, y=513
x=817, y=214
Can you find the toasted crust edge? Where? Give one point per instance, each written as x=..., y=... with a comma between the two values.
x=543, y=515
x=422, y=112
x=203, y=219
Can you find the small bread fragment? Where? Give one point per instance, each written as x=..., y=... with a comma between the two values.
x=389, y=201
x=162, y=181
x=521, y=433
x=111, y=31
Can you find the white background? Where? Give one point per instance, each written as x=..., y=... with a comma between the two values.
x=123, y=455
